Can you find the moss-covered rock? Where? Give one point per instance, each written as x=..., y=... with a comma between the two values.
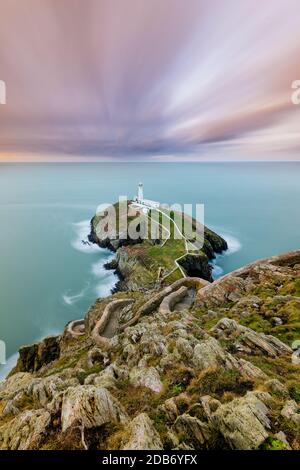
x=213, y=372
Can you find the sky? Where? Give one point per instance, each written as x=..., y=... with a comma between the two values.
x=149, y=80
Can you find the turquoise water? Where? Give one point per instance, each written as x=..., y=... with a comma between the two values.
x=48, y=277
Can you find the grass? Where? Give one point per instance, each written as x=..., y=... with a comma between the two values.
x=294, y=391
x=217, y=382
x=273, y=444
x=279, y=367
x=291, y=288
x=97, y=368
x=176, y=389
x=151, y=256
x=278, y=299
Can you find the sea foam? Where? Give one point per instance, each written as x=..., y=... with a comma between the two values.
x=105, y=279
x=234, y=245
x=72, y=299
x=81, y=242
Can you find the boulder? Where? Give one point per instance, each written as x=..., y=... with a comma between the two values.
x=146, y=377
x=42, y=390
x=12, y=405
x=217, y=294
x=243, y=422
x=169, y=408
x=26, y=431
x=14, y=384
x=90, y=407
x=250, y=371
x=97, y=356
x=34, y=356
x=276, y=387
x=184, y=348
x=206, y=407
x=193, y=431
x=209, y=354
x=108, y=377
x=296, y=357
x=251, y=340
x=291, y=411
x=141, y=435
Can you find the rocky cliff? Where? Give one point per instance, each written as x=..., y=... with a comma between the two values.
x=144, y=263
x=190, y=365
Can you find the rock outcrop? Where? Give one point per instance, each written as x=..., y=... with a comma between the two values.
x=243, y=422
x=90, y=407
x=34, y=356
x=252, y=342
x=136, y=267
x=142, y=435
x=26, y=431
x=190, y=365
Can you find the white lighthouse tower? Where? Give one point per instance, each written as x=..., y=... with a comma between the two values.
x=145, y=203
x=140, y=197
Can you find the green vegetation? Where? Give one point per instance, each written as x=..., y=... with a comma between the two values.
x=273, y=444
x=291, y=288
x=143, y=263
x=294, y=391
x=218, y=382
x=176, y=389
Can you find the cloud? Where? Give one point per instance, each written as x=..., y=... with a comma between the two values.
x=135, y=79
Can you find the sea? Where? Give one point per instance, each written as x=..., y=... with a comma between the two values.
x=50, y=275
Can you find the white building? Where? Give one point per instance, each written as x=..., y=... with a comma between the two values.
x=140, y=195
x=139, y=199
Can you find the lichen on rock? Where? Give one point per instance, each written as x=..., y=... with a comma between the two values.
x=189, y=365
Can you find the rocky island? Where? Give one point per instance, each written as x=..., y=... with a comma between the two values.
x=145, y=262
x=169, y=361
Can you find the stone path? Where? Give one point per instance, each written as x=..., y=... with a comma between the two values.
x=186, y=302
x=108, y=325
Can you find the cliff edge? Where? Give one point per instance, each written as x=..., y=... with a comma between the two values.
x=187, y=365
x=146, y=261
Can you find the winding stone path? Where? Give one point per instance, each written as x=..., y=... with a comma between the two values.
x=179, y=296
x=76, y=328
x=171, y=300
x=108, y=325
x=187, y=302
x=154, y=303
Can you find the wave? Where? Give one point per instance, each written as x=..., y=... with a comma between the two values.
x=81, y=241
x=108, y=278
x=234, y=245
x=72, y=299
x=216, y=271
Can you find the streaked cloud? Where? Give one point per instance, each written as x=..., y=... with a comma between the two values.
x=149, y=79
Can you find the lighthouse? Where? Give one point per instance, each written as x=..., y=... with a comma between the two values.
x=145, y=203
x=140, y=196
